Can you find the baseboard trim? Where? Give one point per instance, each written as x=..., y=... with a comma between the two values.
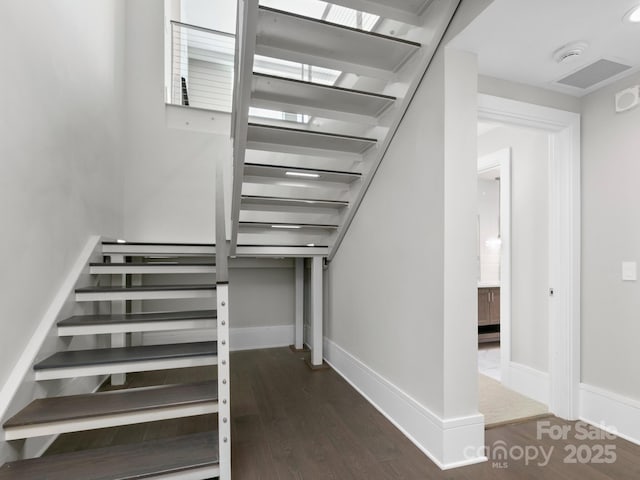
x=529, y=382
x=611, y=412
x=249, y=338
x=449, y=443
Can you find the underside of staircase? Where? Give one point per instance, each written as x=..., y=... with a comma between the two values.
x=319, y=94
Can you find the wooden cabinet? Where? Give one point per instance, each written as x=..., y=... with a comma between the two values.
x=488, y=314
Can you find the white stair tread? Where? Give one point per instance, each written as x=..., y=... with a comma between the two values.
x=292, y=202
x=295, y=226
x=150, y=249
x=265, y=250
x=316, y=175
x=144, y=292
x=137, y=461
x=291, y=37
x=307, y=139
x=269, y=90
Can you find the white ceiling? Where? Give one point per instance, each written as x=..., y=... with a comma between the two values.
x=516, y=39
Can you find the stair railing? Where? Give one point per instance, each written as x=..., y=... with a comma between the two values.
x=222, y=288
x=202, y=63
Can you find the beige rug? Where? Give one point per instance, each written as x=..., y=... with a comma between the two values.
x=499, y=405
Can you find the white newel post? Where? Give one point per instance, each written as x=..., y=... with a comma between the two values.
x=299, y=333
x=316, y=311
x=224, y=390
x=118, y=307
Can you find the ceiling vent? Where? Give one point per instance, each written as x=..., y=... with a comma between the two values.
x=593, y=74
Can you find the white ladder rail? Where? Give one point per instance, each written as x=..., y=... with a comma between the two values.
x=224, y=370
x=246, y=45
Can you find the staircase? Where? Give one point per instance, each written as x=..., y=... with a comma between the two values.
x=133, y=279
x=319, y=94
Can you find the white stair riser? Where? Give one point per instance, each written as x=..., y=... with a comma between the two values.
x=150, y=250
x=150, y=269
x=105, y=421
x=153, y=295
x=125, y=367
x=136, y=327
x=269, y=251
x=202, y=473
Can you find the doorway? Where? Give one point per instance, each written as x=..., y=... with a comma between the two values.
x=549, y=375
x=512, y=270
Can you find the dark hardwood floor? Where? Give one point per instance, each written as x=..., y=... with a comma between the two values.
x=291, y=423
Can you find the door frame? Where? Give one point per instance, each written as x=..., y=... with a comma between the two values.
x=564, y=239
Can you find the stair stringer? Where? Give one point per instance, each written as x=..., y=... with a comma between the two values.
x=21, y=388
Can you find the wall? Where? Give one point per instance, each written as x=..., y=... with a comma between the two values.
x=60, y=131
x=529, y=240
x=402, y=285
x=610, y=235
x=171, y=152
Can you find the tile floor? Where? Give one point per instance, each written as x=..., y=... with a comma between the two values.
x=489, y=360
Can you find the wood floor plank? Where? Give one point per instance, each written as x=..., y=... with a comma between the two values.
x=291, y=423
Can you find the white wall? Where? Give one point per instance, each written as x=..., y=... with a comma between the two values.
x=171, y=152
x=215, y=14
x=526, y=93
x=60, y=131
x=529, y=240
x=610, y=235
x=402, y=285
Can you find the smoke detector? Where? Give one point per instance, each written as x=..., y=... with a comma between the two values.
x=570, y=53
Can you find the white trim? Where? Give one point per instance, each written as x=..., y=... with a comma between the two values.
x=150, y=268
x=111, y=420
x=31, y=350
x=224, y=384
x=564, y=243
x=149, y=250
x=247, y=338
x=611, y=412
x=267, y=251
x=316, y=308
x=144, y=295
x=436, y=437
x=125, y=367
x=299, y=303
x=190, y=474
x=528, y=381
x=107, y=328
